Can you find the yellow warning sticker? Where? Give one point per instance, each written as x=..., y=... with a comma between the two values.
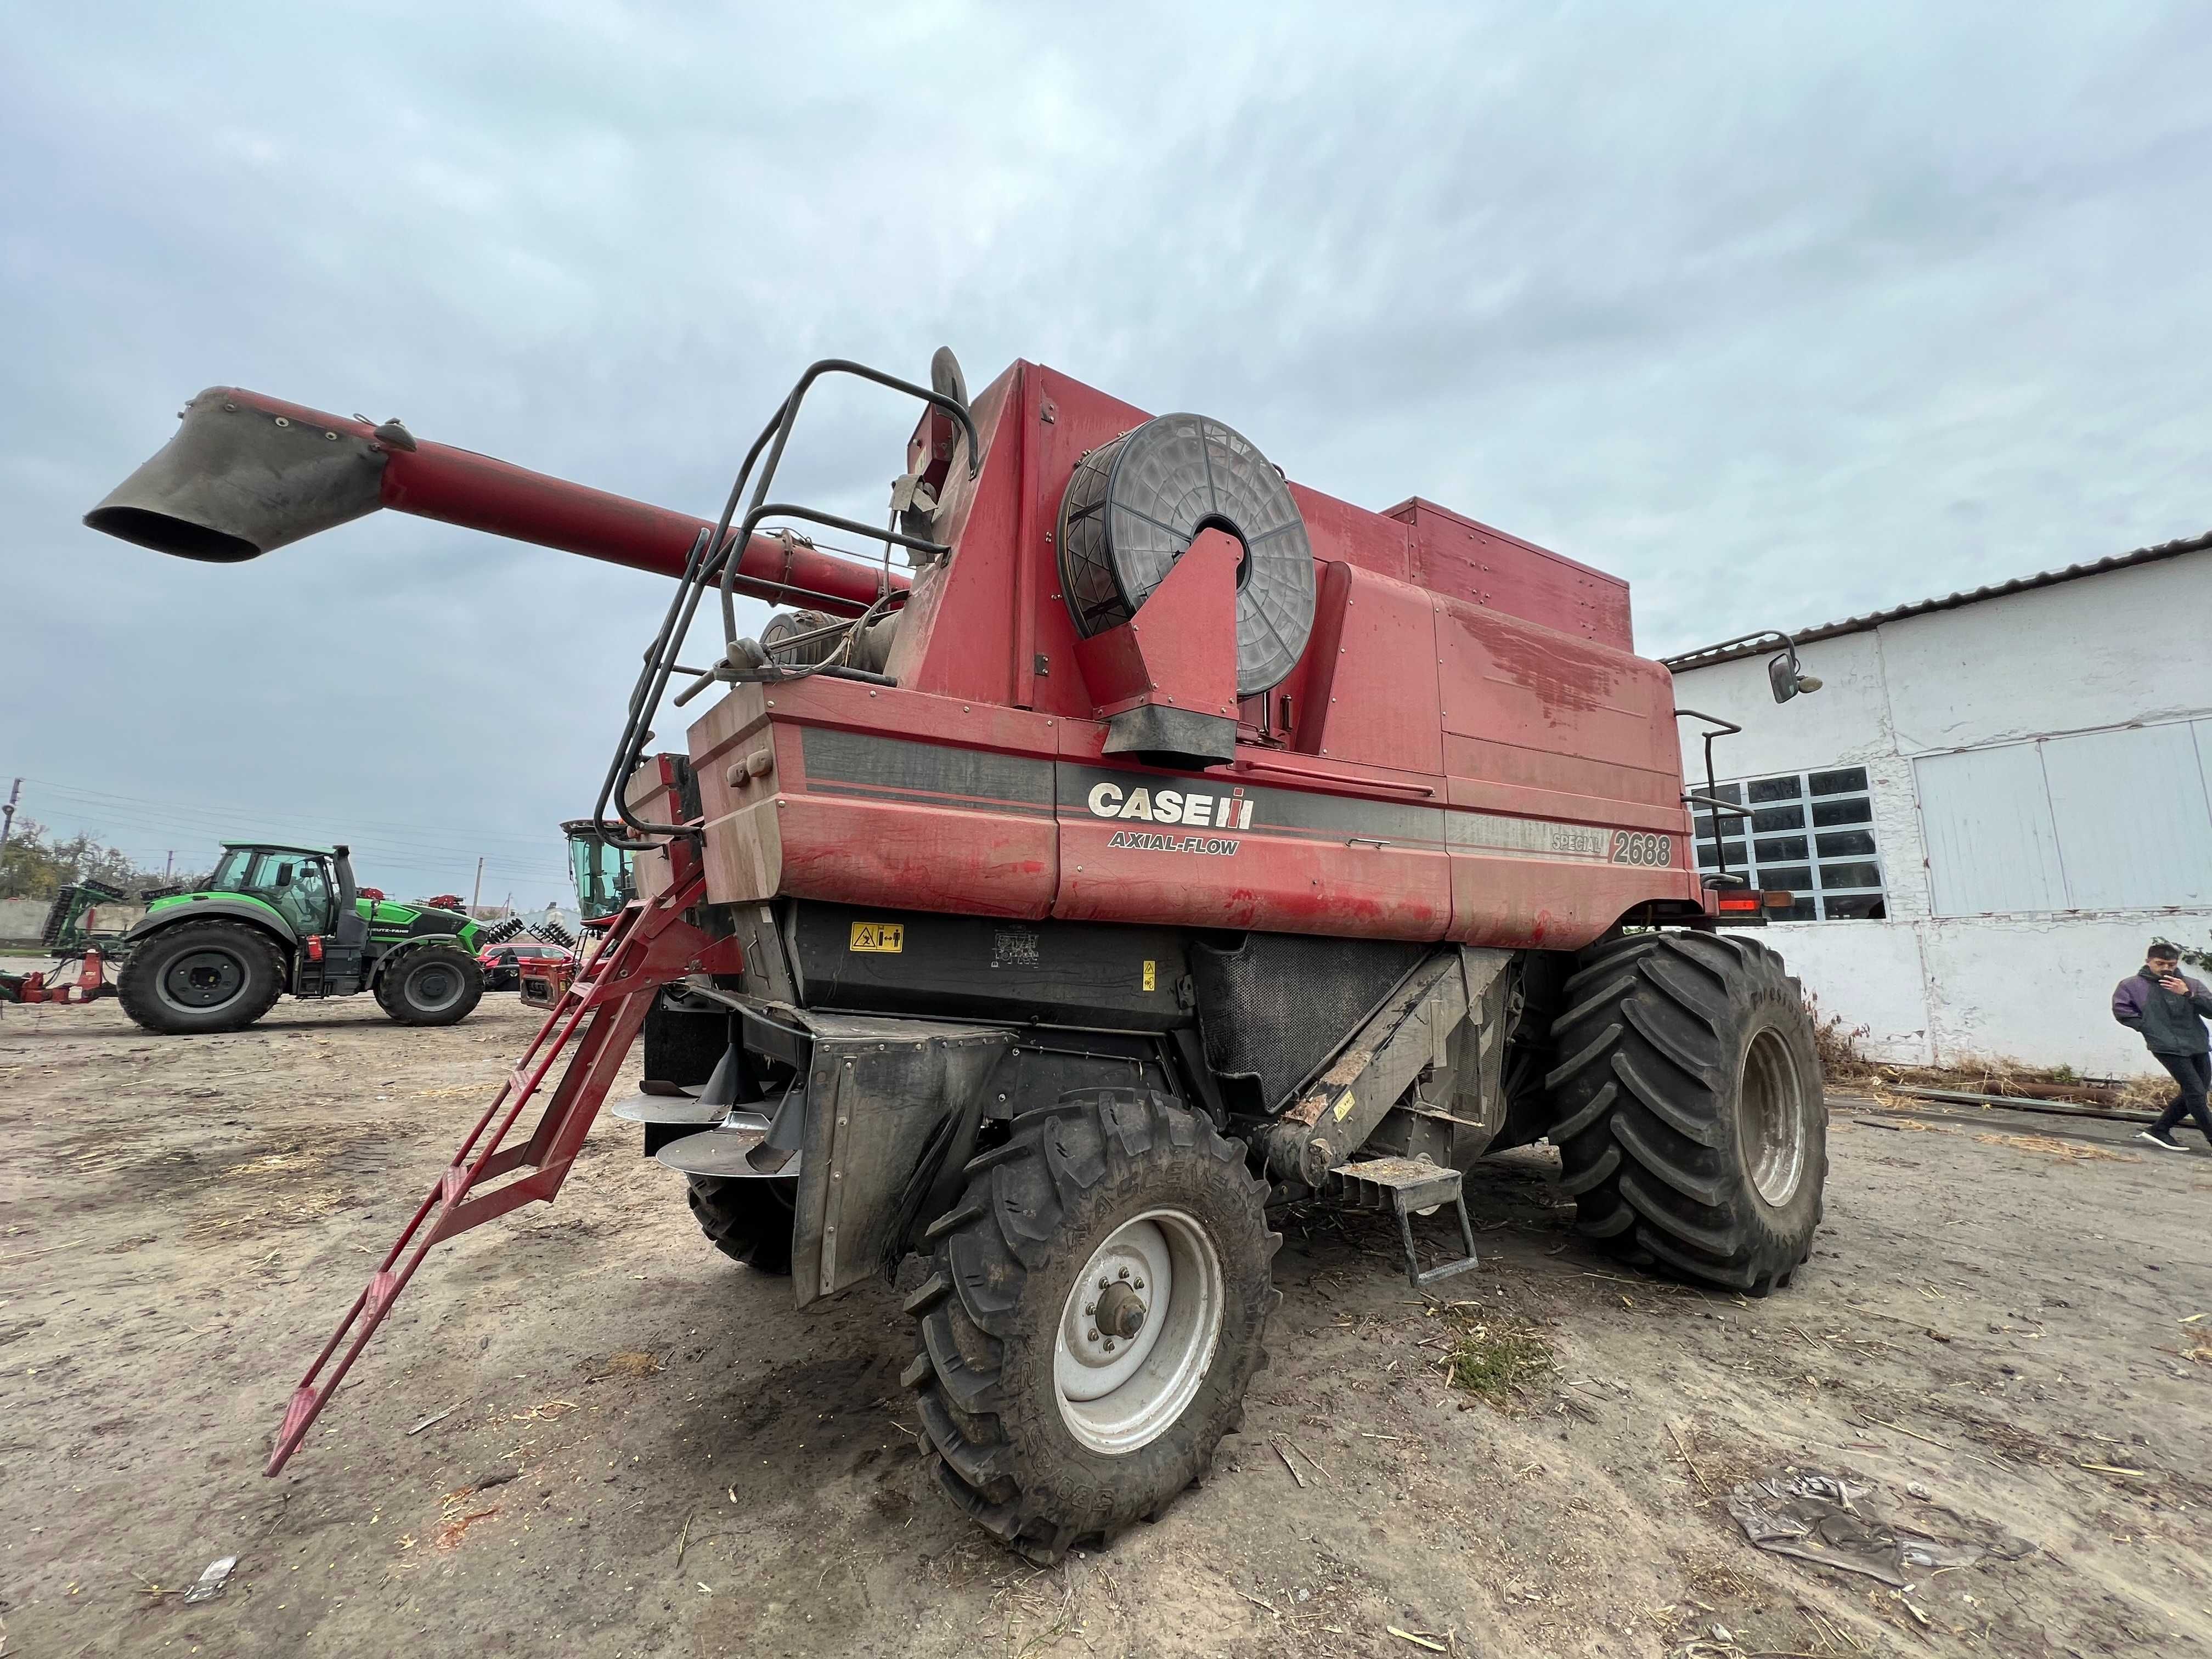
x=1345, y=1102
x=887, y=937
x=1151, y=975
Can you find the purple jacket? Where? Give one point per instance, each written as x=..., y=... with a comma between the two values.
x=2170, y=1025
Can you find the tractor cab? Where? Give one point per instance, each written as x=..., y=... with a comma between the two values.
x=301, y=884
x=600, y=868
x=312, y=887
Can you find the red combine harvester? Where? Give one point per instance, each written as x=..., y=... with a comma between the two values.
x=1173, y=842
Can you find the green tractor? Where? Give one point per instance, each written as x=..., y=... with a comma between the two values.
x=273, y=919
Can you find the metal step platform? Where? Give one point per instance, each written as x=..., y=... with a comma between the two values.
x=1408, y=1187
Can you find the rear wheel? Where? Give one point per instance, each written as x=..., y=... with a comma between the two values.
x=196, y=976
x=747, y=1220
x=1094, y=1312
x=430, y=985
x=1692, y=1127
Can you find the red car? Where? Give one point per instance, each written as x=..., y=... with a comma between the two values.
x=502, y=963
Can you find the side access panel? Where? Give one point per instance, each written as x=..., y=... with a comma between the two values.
x=877, y=1091
x=832, y=789
x=1565, y=779
x=1005, y=969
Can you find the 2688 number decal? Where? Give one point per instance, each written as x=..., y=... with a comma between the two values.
x=1642, y=847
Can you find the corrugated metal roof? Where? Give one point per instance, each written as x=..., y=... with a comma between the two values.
x=1707, y=656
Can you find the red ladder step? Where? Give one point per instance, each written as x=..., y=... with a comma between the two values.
x=649, y=945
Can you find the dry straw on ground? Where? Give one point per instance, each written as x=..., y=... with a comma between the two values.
x=2051, y=1146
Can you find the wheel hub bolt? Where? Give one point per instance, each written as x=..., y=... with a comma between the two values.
x=1119, y=1313
x=1110, y=1344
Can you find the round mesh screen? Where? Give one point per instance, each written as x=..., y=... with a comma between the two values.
x=1132, y=508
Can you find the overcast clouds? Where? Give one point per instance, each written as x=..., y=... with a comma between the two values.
x=1780, y=312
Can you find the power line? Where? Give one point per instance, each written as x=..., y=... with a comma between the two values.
x=165, y=834
x=449, y=862
x=230, y=814
x=161, y=819
x=242, y=827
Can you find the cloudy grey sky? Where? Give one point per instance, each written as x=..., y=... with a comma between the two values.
x=1781, y=312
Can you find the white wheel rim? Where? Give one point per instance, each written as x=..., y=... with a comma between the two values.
x=1119, y=1393
x=1770, y=1118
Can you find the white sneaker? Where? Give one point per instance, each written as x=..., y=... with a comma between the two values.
x=2160, y=1142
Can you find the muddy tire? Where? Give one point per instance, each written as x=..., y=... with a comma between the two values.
x=1688, y=1111
x=748, y=1221
x=198, y=976
x=1034, y=1425
x=430, y=985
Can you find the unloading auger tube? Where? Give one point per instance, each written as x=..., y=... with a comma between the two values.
x=1173, y=843
x=245, y=474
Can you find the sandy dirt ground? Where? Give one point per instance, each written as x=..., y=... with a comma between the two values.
x=644, y=1450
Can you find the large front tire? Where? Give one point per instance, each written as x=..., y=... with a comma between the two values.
x=430, y=985
x=1095, y=1309
x=200, y=976
x=1688, y=1111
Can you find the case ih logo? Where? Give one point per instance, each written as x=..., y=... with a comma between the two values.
x=1185, y=807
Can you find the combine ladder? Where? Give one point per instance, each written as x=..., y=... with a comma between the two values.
x=649, y=945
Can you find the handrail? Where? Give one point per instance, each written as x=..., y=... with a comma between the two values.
x=719, y=566
x=1721, y=728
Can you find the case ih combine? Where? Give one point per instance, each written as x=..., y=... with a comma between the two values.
x=1175, y=841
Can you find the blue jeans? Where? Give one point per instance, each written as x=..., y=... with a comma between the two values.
x=2194, y=1073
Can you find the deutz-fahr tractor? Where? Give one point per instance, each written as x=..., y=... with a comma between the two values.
x=1166, y=843
x=274, y=919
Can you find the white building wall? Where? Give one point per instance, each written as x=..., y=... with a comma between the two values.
x=2031, y=984
x=21, y=919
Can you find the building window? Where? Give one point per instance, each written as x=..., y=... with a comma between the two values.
x=1810, y=832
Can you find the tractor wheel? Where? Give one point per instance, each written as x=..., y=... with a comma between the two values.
x=1692, y=1127
x=748, y=1220
x=1095, y=1308
x=196, y=976
x=430, y=985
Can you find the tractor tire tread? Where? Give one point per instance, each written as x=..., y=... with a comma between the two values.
x=136, y=986
x=403, y=960
x=1093, y=1149
x=1654, y=1036
x=747, y=1220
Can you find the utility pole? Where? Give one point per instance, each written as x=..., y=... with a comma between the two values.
x=168, y=864
x=477, y=892
x=7, y=825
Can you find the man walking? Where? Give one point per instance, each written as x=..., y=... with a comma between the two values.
x=2170, y=1009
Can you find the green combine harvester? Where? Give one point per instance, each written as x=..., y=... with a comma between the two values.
x=275, y=919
